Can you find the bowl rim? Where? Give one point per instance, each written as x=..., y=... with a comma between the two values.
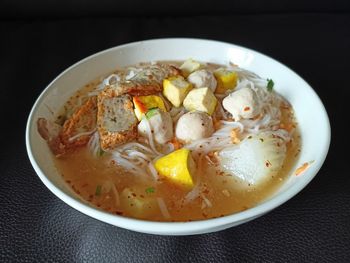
x=176, y=228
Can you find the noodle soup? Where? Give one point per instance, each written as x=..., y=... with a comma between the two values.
x=174, y=141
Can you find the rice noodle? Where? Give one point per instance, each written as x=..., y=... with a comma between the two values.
x=107, y=81
x=116, y=195
x=285, y=135
x=213, y=143
x=228, y=126
x=94, y=144
x=136, y=157
x=150, y=136
x=209, y=160
x=93, y=93
x=130, y=75
x=199, y=158
x=193, y=194
x=128, y=164
x=168, y=148
x=106, y=186
x=136, y=145
x=109, y=186
x=138, y=154
x=206, y=201
x=243, y=73
x=153, y=170
x=110, y=80
x=80, y=134
x=163, y=208
x=136, y=160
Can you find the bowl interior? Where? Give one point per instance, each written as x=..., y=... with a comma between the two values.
x=310, y=113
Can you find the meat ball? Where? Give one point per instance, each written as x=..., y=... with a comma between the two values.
x=194, y=126
x=203, y=78
x=242, y=104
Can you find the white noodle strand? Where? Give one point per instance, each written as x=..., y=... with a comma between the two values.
x=81, y=134
x=163, y=208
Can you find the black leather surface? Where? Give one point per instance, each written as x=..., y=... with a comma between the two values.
x=83, y=8
x=35, y=226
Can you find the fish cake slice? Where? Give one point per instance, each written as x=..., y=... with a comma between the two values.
x=116, y=121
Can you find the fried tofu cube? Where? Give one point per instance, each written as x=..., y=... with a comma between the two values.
x=202, y=99
x=178, y=167
x=138, y=204
x=175, y=89
x=189, y=66
x=116, y=121
x=226, y=79
x=144, y=103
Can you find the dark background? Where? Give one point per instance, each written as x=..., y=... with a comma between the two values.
x=39, y=39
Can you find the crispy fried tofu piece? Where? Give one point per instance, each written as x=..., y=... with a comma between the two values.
x=148, y=81
x=83, y=120
x=61, y=140
x=116, y=120
x=133, y=88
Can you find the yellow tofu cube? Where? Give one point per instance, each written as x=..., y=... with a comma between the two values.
x=137, y=203
x=226, y=79
x=175, y=89
x=202, y=99
x=178, y=167
x=143, y=103
x=189, y=66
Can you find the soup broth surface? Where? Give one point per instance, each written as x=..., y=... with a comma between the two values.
x=101, y=181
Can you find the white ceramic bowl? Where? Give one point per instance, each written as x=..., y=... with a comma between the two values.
x=309, y=110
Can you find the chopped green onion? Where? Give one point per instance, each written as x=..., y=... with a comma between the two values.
x=151, y=112
x=150, y=190
x=98, y=190
x=270, y=84
x=100, y=152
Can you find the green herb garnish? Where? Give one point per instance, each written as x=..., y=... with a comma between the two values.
x=98, y=190
x=150, y=190
x=151, y=112
x=270, y=84
x=100, y=152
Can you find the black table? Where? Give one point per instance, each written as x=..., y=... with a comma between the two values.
x=35, y=226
